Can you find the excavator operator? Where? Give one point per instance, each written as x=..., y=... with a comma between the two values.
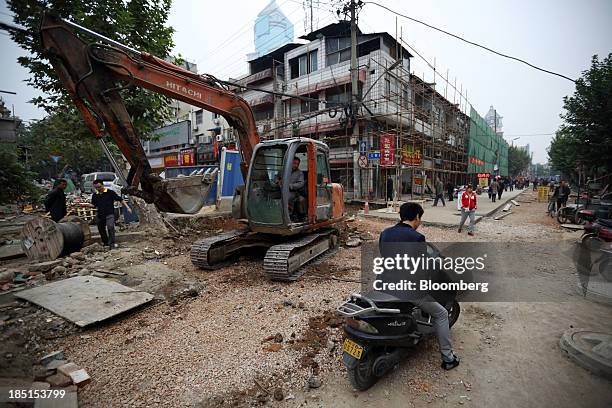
x=296, y=184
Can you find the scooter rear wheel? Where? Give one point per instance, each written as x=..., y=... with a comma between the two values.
x=362, y=375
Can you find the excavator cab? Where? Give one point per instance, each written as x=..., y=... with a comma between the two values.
x=288, y=188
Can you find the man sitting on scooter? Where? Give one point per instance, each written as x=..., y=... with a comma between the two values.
x=405, y=231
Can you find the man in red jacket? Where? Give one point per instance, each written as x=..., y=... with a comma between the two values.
x=468, y=208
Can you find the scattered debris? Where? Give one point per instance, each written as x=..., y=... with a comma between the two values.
x=354, y=242
x=85, y=300
x=502, y=216
x=314, y=382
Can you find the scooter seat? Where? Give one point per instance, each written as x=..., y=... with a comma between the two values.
x=605, y=222
x=382, y=298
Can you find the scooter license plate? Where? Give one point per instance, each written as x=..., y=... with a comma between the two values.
x=353, y=349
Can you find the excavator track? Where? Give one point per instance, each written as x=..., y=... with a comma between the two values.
x=209, y=253
x=283, y=262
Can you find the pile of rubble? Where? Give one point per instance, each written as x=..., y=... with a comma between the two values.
x=53, y=371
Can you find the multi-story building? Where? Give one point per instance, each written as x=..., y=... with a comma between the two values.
x=422, y=133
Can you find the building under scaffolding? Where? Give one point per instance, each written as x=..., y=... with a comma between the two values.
x=410, y=133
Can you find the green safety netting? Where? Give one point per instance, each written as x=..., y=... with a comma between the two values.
x=485, y=148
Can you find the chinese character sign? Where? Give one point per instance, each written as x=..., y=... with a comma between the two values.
x=187, y=157
x=411, y=156
x=387, y=149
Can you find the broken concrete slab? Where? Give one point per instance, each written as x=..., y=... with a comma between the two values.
x=515, y=203
x=59, y=380
x=52, y=365
x=80, y=377
x=85, y=300
x=507, y=207
x=67, y=368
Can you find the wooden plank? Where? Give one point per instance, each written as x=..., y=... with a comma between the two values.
x=499, y=217
x=507, y=207
x=515, y=203
x=85, y=300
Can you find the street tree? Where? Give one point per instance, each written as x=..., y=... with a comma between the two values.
x=59, y=136
x=140, y=24
x=518, y=160
x=15, y=179
x=585, y=137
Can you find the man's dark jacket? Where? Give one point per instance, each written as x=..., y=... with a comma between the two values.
x=55, y=204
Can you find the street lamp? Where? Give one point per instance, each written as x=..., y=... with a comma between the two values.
x=512, y=141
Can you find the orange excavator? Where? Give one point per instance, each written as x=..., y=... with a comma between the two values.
x=94, y=74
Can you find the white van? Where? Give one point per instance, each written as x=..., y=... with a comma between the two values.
x=110, y=180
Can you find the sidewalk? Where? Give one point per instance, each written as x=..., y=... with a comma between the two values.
x=448, y=216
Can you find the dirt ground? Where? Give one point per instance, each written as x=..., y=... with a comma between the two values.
x=236, y=339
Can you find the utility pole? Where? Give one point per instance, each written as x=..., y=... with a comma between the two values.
x=354, y=76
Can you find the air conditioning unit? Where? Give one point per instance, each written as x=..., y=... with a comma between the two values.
x=196, y=128
x=216, y=121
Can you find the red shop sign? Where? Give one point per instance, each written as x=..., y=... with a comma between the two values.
x=387, y=149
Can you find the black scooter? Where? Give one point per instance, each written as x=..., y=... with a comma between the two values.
x=380, y=330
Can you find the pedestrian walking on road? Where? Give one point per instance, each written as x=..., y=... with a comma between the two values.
x=389, y=188
x=500, y=189
x=468, y=209
x=493, y=190
x=450, y=189
x=103, y=199
x=55, y=202
x=439, y=189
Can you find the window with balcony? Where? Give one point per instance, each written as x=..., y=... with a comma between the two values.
x=337, y=97
x=310, y=105
x=303, y=64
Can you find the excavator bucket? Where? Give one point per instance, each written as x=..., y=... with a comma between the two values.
x=186, y=194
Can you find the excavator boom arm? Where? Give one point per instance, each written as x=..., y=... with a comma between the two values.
x=93, y=72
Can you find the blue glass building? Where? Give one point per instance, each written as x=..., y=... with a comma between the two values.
x=272, y=30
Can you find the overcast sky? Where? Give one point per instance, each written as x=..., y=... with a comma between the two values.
x=559, y=35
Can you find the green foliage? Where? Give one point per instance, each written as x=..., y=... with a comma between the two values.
x=15, y=180
x=59, y=134
x=563, y=152
x=518, y=161
x=137, y=23
x=585, y=138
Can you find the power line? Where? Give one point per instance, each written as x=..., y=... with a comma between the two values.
x=470, y=42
